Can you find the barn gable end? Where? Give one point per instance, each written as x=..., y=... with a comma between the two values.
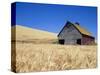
x=69, y=34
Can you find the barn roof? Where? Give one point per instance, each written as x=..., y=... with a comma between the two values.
x=82, y=30
x=79, y=28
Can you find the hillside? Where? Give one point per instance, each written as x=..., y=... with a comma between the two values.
x=25, y=33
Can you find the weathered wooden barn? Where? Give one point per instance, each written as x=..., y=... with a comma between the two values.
x=74, y=34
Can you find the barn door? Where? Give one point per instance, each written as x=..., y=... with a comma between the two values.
x=79, y=41
x=61, y=41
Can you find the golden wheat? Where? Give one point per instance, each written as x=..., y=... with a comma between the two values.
x=51, y=57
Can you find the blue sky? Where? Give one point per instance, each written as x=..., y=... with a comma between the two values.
x=52, y=18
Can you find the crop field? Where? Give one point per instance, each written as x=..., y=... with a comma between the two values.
x=51, y=57
x=33, y=52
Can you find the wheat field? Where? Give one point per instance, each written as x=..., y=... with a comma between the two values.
x=50, y=57
x=30, y=54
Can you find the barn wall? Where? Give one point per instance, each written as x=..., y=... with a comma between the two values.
x=70, y=34
x=86, y=40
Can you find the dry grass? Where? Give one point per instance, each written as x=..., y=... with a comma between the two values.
x=50, y=57
x=25, y=33
x=37, y=50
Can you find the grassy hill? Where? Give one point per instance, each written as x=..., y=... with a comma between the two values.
x=25, y=34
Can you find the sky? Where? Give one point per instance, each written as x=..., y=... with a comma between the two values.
x=52, y=18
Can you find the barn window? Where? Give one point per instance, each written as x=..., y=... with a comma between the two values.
x=61, y=41
x=79, y=41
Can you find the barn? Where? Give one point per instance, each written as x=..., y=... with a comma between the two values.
x=74, y=34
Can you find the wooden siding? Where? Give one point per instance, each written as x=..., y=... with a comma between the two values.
x=70, y=34
x=87, y=40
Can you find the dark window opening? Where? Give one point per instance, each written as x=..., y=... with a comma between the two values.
x=79, y=41
x=61, y=41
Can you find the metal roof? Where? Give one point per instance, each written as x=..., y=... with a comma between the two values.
x=78, y=27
